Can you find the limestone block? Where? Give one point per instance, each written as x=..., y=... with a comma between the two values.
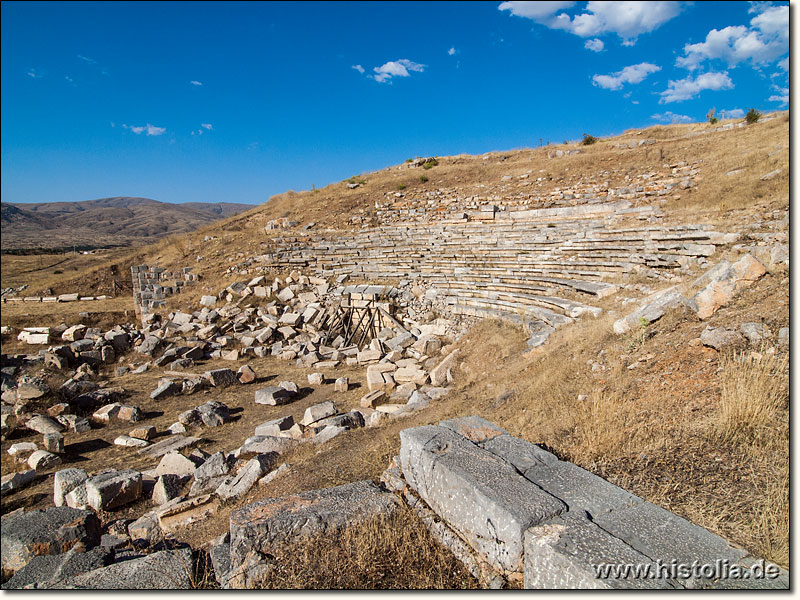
x=479, y=494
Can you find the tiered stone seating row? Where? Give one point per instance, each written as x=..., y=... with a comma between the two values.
x=537, y=264
x=449, y=204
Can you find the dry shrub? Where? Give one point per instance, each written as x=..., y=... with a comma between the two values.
x=603, y=426
x=754, y=390
x=388, y=552
x=771, y=526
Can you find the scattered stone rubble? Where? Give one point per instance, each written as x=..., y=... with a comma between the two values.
x=188, y=485
x=511, y=511
x=717, y=287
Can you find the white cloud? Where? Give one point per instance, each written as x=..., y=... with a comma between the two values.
x=630, y=74
x=764, y=41
x=146, y=129
x=34, y=74
x=451, y=51
x=396, y=68
x=734, y=113
x=358, y=68
x=208, y=126
x=782, y=96
x=757, y=7
x=686, y=88
x=195, y=82
x=671, y=117
x=627, y=19
x=595, y=45
x=153, y=130
x=91, y=61
x=538, y=11
x=784, y=64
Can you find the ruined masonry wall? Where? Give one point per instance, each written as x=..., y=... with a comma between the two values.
x=152, y=285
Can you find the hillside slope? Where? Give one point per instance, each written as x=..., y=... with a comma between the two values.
x=116, y=221
x=665, y=409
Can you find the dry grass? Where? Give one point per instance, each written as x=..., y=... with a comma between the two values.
x=653, y=429
x=754, y=393
x=603, y=425
x=395, y=552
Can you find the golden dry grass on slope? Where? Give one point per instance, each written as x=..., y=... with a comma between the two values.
x=394, y=552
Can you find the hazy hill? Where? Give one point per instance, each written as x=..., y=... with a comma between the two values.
x=107, y=221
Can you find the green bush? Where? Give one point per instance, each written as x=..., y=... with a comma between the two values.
x=589, y=139
x=752, y=116
x=401, y=187
x=429, y=164
x=423, y=178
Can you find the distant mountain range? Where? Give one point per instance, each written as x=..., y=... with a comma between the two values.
x=118, y=221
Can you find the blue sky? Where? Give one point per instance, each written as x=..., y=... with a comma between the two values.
x=236, y=102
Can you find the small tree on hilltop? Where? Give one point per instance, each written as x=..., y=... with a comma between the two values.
x=588, y=139
x=752, y=116
x=710, y=116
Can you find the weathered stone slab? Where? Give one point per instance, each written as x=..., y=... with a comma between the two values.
x=474, y=428
x=261, y=444
x=248, y=475
x=438, y=374
x=41, y=460
x=273, y=395
x=318, y=412
x=177, y=516
x=42, y=424
x=221, y=377
x=167, y=487
x=563, y=552
x=113, y=489
x=171, y=444
x=723, y=282
x=259, y=526
x=46, y=570
x=42, y=532
x=660, y=534
x=328, y=433
x=131, y=442
x=275, y=427
x=371, y=399
x=651, y=310
x=17, y=481
x=476, y=492
x=215, y=465
x=720, y=338
x=175, y=463
x=167, y=569
x=213, y=413
x=166, y=389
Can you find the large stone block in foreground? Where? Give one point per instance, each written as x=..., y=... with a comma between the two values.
x=564, y=552
x=477, y=493
x=165, y=570
x=517, y=505
x=42, y=532
x=261, y=525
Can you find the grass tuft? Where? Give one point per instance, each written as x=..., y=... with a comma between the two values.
x=394, y=552
x=754, y=390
